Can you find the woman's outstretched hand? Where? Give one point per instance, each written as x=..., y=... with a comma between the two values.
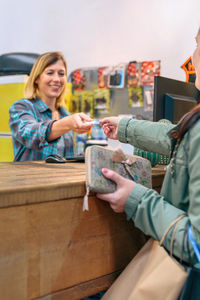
x=78, y=122
x=117, y=200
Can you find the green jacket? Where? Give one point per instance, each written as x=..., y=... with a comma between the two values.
x=153, y=212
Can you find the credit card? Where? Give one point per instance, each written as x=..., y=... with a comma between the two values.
x=93, y=122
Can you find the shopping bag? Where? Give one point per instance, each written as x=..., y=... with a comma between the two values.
x=152, y=275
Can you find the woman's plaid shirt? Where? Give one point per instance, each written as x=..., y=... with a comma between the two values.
x=30, y=123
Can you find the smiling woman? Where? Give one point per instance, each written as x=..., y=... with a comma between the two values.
x=51, y=83
x=40, y=124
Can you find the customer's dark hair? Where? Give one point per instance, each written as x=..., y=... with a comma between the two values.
x=190, y=119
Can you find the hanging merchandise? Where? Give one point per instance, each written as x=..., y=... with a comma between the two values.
x=133, y=78
x=113, y=90
x=148, y=93
x=101, y=102
x=78, y=79
x=149, y=69
x=189, y=70
x=74, y=105
x=135, y=96
x=116, y=77
x=103, y=77
x=87, y=103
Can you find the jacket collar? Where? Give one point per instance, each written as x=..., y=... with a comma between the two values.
x=176, y=127
x=173, y=140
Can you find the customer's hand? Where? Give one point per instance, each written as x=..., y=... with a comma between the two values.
x=110, y=126
x=117, y=200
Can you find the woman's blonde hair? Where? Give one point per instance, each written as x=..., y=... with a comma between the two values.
x=42, y=62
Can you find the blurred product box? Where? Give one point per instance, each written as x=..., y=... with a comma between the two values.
x=11, y=89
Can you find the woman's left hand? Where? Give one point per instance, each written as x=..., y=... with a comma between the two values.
x=117, y=200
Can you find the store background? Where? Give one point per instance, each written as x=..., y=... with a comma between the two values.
x=94, y=33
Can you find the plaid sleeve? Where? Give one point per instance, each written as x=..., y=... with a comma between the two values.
x=28, y=128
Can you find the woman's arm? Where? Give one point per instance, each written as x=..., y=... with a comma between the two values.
x=34, y=133
x=76, y=122
x=148, y=210
x=152, y=213
x=147, y=135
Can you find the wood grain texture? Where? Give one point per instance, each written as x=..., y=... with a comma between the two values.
x=47, y=243
x=33, y=182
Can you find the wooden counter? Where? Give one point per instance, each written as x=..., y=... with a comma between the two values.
x=49, y=248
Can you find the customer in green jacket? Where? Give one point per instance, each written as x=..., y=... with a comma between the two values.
x=180, y=194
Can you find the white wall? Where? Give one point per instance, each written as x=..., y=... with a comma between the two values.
x=94, y=33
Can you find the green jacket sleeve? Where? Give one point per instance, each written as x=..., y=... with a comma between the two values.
x=146, y=135
x=153, y=212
